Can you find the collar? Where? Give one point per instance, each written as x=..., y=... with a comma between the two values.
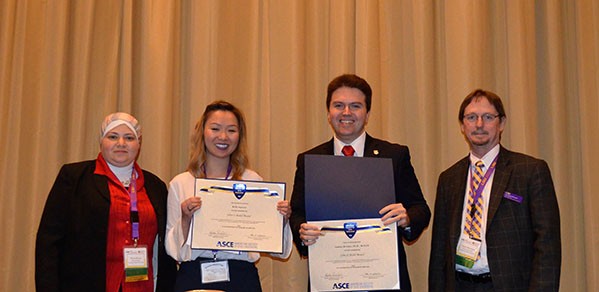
x=358, y=145
x=487, y=159
x=122, y=173
x=102, y=168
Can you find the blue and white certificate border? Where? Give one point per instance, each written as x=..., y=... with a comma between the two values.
x=354, y=255
x=231, y=191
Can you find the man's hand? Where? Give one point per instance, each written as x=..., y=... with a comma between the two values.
x=309, y=233
x=395, y=213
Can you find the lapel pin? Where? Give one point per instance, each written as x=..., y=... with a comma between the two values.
x=376, y=152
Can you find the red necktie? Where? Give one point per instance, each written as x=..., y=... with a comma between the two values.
x=348, y=150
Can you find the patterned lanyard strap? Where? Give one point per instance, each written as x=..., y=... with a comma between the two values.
x=478, y=192
x=134, y=211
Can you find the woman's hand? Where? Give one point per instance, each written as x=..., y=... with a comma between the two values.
x=284, y=208
x=189, y=206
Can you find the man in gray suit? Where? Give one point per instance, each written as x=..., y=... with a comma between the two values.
x=496, y=223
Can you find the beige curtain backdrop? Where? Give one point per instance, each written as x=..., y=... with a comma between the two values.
x=64, y=65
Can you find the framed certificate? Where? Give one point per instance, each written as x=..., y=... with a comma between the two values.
x=238, y=215
x=343, y=196
x=354, y=255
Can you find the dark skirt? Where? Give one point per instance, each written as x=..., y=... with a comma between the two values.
x=243, y=275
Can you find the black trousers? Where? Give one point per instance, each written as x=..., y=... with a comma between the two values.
x=243, y=275
x=474, y=287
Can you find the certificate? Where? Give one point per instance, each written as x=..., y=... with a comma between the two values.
x=238, y=215
x=338, y=187
x=343, y=196
x=354, y=255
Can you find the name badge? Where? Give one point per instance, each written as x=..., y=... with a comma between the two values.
x=136, y=263
x=215, y=271
x=513, y=197
x=468, y=250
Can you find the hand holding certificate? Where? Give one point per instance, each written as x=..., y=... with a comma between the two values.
x=238, y=215
x=357, y=254
x=343, y=197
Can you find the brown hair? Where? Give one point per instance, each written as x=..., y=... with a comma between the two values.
x=197, y=153
x=351, y=81
x=477, y=94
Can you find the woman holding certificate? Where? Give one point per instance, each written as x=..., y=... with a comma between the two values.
x=218, y=151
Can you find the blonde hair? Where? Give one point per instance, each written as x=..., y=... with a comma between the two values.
x=197, y=153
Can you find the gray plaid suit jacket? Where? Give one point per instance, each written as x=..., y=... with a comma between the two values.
x=523, y=239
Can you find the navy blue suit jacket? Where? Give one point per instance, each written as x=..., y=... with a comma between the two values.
x=407, y=192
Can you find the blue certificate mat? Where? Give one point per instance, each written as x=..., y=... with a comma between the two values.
x=338, y=187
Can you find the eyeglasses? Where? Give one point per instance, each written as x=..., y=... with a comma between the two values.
x=473, y=118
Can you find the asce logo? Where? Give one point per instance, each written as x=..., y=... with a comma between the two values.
x=225, y=244
x=340, y=285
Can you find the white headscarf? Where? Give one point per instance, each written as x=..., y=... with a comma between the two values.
x=120, y=118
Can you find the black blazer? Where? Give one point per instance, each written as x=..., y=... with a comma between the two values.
x=523, y=239
x=407, y=192
x=70, y=250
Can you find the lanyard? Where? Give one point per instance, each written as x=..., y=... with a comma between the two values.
x=478, y=192
x=229, y=168
x=134, y=211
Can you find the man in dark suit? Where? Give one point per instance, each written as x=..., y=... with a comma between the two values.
x=348, y=106
x=496, y=225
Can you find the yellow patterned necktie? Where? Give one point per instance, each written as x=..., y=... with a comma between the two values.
x=474, y=217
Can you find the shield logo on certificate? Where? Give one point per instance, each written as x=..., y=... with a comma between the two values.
x=239, y=190
x=350, y=229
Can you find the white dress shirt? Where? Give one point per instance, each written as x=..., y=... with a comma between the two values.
x=481, y=266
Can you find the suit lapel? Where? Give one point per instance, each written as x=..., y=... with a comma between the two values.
x=101, y=184
x=326, y=148
x=369, y=146
x=458, y=192
x=500, y=181
x=372, y=147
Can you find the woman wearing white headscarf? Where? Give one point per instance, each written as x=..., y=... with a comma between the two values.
x=104, y=221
